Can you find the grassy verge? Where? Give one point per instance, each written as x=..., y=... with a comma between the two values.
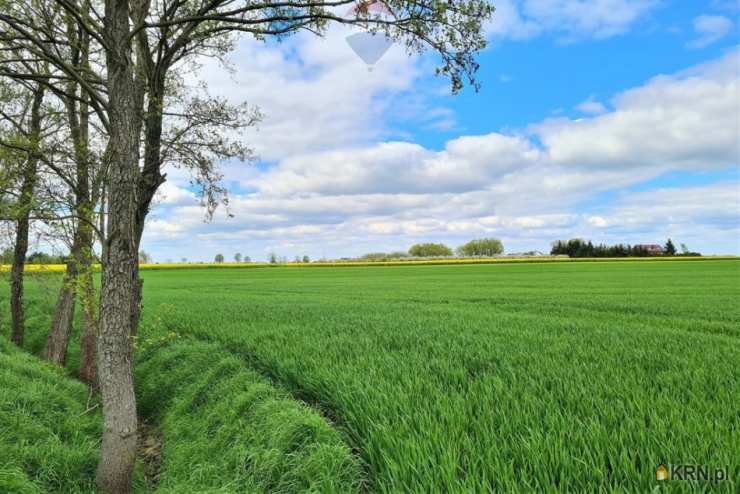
x=227, y=429
x=49, y=442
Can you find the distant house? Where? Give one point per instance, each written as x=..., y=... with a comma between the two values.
x=652, y=249
x=531, y=253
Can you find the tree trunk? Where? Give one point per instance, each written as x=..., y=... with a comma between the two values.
x=89, y=329
x=16, y=279
x=136, y=303
x=61, y=325
x=25, y=203
x=118, y=450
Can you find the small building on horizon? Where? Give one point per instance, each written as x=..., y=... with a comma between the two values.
x=652, y=249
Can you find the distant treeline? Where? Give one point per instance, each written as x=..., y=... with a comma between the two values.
x=577, y=247
x=6, y=257
x=481, y=247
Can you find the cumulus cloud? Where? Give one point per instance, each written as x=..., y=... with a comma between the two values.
x=684, y=121
x=315, y=93
x=570, y=19
x=170, y=194
x=398, y=167
x=710, y=28
x=526, y=187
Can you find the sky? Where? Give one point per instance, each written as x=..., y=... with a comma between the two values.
x=611, y=120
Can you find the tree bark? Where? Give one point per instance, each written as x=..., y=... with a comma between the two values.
x=25, y=204
x=16, y=279
x=118, y=450
x=78, y=283
x=89, y=329
x=57, y=340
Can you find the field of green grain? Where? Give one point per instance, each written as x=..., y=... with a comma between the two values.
x=578, y=377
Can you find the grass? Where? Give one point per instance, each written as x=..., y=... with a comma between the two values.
x=48, y=442
x=578, y=377
x=227, y=429
x=527, y=377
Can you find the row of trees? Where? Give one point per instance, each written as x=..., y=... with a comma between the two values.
x=95, y=107
x=238, y=258
x=272, y=258
x=483, y=247
x=6, y=257
x=577, y=247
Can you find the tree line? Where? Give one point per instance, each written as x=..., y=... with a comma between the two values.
x=578, y=247
x=482, y=247
x=37, y=257
x=96, y=108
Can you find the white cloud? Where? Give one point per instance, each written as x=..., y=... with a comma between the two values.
x=526, y=188
x=315, y=93
x=686, y=121
x=570, y=19
x=591, y=107
x=710, y=28
x=170, y=194
x=705, y=217
x=398, y=167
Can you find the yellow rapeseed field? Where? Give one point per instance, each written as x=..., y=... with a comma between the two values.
x=59, y=268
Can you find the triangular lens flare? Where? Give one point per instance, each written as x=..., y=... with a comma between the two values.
x=368, y=46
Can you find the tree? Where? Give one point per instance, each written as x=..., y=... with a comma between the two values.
x=247, y=259
x=430, y=250
x=273, y=258
x=219, y=258
x=29, y=139
x=141, y=43
x=144, y=258
x=487, y=247
x=669, y=249
x=306, y=259
x=84, y=177
x=237, y=257
x=684, y=249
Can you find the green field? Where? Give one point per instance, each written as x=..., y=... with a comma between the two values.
x=577, y=377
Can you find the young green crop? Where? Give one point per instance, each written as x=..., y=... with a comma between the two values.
x=579, y=377
x=225, y=428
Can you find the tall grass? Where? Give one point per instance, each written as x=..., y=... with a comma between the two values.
x=227, y=429
x=49, y=443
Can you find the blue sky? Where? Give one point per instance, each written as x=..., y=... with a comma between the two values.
x=614, y=120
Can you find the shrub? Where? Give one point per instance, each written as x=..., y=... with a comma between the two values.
x=430, y=250
x=482, y=247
